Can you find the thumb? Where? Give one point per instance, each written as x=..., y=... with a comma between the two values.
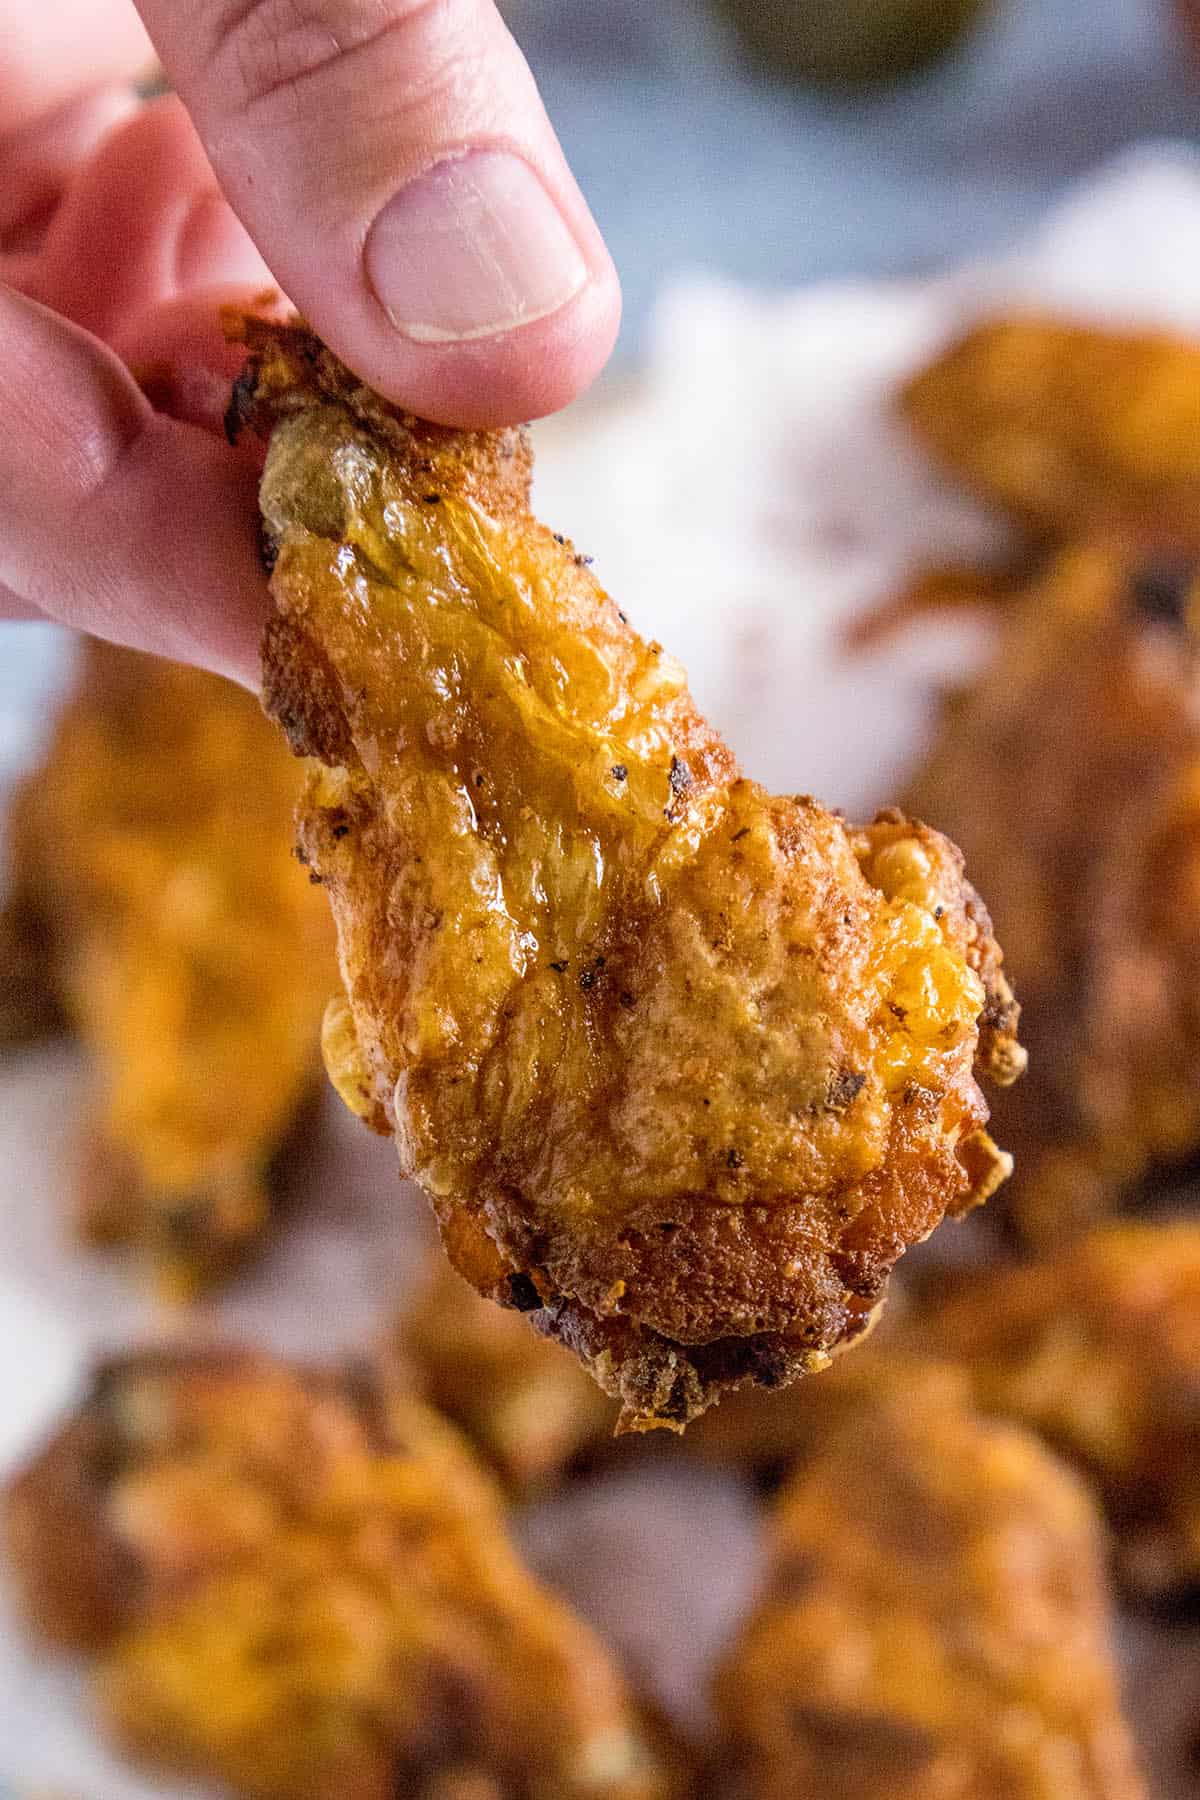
x=394, y=164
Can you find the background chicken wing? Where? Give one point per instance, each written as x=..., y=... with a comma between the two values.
x=298, y=1584
x=156, y=889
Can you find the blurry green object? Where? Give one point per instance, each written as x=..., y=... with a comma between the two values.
x=845, y=42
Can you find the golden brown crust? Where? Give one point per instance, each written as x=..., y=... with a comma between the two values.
x=193, y=958
x=689, y=1064
x=1070, y=774
x=298, y=1585
x=934, y=1622
x=1070, y=427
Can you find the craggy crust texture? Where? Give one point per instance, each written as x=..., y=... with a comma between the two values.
x=683, y=1067
x=1098, y=1348
x=525, y=1403
x=1070, y=774
x=154, y=849
x=934, y=1624
x=298, y=1585
x=1069, y=428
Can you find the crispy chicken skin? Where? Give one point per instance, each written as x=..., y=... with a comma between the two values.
x=298, y=1584
x=684, y=1068
x=1069, y=427
x=1070, y=774
x=934, y=1624
x=525, y=1403
x=1098, y=1348
x=152, y=855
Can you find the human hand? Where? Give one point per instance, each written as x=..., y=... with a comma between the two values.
x=394, y=166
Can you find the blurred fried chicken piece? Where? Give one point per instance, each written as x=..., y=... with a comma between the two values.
x=683, y=1068
x=1070, y=774
x=1069, y=427
x=298, y=1584
x=524, y=1401
x=934, y=1623
x=152, y=853
x=1098, y=1348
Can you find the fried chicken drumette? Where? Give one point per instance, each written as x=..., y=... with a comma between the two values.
x=934, y=1623
x=1098, y=1348
x=1069, y=427
x=299, y=1584
x=1070, y=773
x=683, y=1068
x=152, y=858
x=525, y=1403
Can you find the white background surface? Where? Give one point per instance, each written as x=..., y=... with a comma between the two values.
x=742, y=501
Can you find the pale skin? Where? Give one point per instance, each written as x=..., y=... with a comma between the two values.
x=385, y=163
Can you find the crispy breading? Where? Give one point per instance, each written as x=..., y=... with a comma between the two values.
x=1069, y=427
x=153, y=849
x=934, y=1623
x=684, y=1068
x=1070, y=773
x=525, y=1402
x=298, y=1583
x=1098, y=1348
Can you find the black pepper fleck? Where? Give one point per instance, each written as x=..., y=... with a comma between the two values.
x=845, y=1085
x=560, y=968
x=734, y=1159
x=619, y=772
x=590, y=976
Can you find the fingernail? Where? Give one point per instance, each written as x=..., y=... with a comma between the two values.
x=214, y=246
x=473, y=247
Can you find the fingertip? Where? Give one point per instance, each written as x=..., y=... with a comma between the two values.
x=487, y=382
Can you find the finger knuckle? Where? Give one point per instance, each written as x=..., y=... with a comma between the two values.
x=269, y=52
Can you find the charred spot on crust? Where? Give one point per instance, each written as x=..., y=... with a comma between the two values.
x=845, y=1085
x=764, y=1361
x=1159, y=590
x=523, y=1293
x=268, y=549
x=241, y=409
